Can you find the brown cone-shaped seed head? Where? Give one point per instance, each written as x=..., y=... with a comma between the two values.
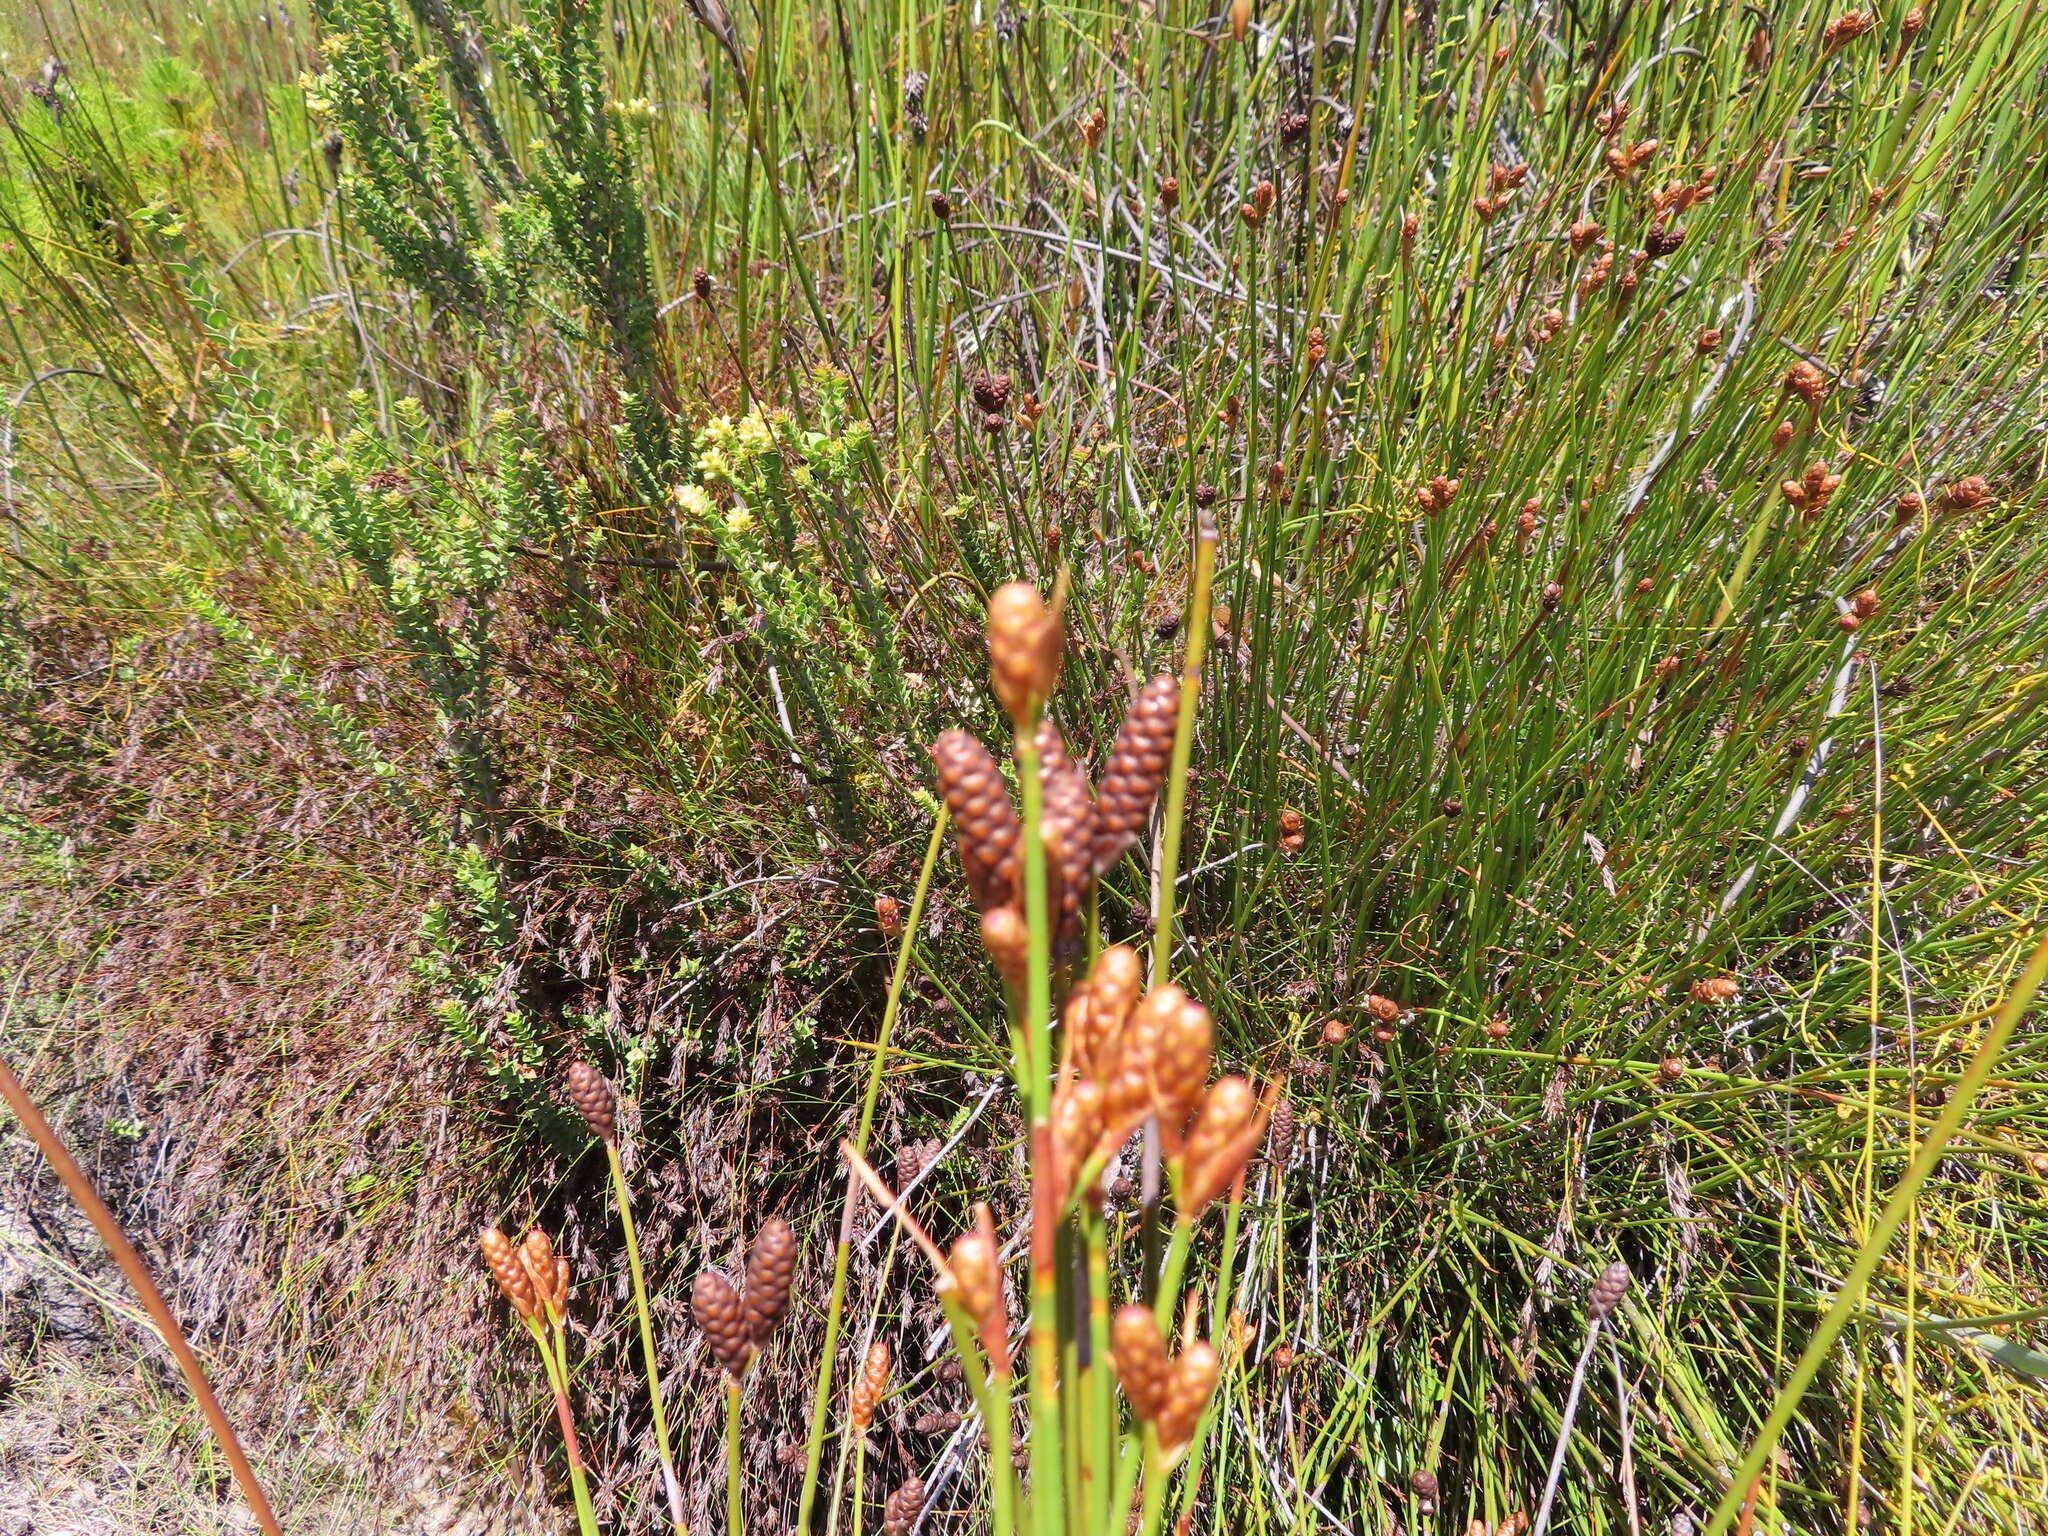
x=593, y=1099
x=1024, y=643
x=974, y=1276
x=1136, y=768
x=988, y=829
x=1052, y=748
x=723, y=1319
x=1189, y=1388
x=1608, y=1290
x=1226, y=1130
x=873, y=1382
x=1076, y=1127
x=1069, y=832
x=770, y=1269
x=1141, y=1363
x=506, y=1269
x=1114, y=986
x=537, y=1258
x=1182, y=1067
x=901, y=1509
x=1007, y=937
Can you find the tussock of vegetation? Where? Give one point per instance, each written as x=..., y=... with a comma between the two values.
x=499, y=501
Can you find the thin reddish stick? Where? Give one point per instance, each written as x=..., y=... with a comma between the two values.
x=109, y=1228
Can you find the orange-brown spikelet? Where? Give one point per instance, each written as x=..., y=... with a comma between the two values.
x=1193, y=1383
x=1136, y=768
x=770, y=1269
x=723, y=1318
x=1076, y=1128
x=1098, y=1008
x=873, y=1382
x=1181, y=1066
x=1007, y=938
x=510, y=1274
x=548, y=1272
x=592, y=1096
x=1069, y=832
x=901, y=1509
x=1142, y=1366
x=974, y=1277
x=988, y=829
x=1227, y=1129
x=1024, y=645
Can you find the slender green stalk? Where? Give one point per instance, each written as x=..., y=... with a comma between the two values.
x=672, y=1485
x=842, y=1253
x=1168, y=871
x=1047, y=1450
x=734, y=1525
x=1962, y=1099
x=1156, y=1474
x=554, y=1355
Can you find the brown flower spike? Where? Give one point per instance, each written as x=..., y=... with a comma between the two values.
x=900, y=1510
x=594, y=1101
x=1135, y=770
x=979, y=802
x=873, y=1382
x=1227, y=1129
x=770, y=1269
x=723, y=1319
x=1024, y=643
x=510, y=1274
x=974, y=1278
x=1169, y=1394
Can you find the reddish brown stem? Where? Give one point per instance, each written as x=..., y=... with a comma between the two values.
x=109, y=1228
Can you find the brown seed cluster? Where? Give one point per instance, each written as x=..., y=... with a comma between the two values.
x=872, y=1384
x=503, y=1261
x=770, y=1269
x=1130, y=1057
x=1437, y=496
x=1965, y=495
x=1720, y=989
x=901, y=1509
x=1806, y=380
x=593, y=1099
x=739, y=1326
x=1608, y=1290
x=1811, y=491
x=1083, y=836
x=1264, y=196
x=1024, y=645
x=723, y=1318
x=1168, y=1392
x=974, y=1281
x=988, y=829
x=534, y=1278
x=1845, y=29
x=889, y=916
x=1136, y=769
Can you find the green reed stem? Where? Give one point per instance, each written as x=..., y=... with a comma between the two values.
x=733, y=1524
x=1046, y=1439
x=672, y=1485
x=554, y=1358
x=1183, y=746
x=821, y=1397
x=1962, y=1098
x=1156, y=1475
x=1219, y=1325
